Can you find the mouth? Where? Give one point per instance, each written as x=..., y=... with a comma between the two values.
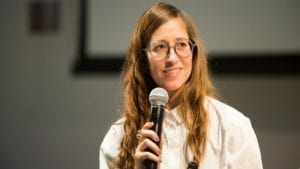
x=172, y=72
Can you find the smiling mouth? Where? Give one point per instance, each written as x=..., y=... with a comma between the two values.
x=172, y=72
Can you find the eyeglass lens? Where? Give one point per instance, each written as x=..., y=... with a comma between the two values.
x=161, y=49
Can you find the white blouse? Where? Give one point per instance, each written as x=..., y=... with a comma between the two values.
x=232, y=143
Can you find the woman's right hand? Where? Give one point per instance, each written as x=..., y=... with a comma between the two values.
x=146, y=143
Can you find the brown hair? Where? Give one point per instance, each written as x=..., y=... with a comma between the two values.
x=138, y=83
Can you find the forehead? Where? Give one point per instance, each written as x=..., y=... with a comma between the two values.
x=170, y=31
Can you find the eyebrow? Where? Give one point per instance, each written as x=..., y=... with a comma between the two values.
x=165, y=41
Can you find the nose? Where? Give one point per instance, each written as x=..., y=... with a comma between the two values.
x=172, y=56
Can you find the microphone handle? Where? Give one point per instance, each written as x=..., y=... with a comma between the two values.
x=157, y=114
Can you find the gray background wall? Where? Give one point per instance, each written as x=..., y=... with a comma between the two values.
x=50, y=118
x=232, y=26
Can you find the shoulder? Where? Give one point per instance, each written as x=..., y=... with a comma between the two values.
x=231, y=126
x=110, y=144
x=232, y=134
x=228, y=116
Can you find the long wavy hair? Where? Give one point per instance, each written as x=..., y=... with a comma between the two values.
x=138, y=83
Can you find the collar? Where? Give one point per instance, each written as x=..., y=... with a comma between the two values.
x=173, y=116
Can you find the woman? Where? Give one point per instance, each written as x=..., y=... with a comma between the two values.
x=165, y=51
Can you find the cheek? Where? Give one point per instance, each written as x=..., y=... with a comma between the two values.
x=154, y=70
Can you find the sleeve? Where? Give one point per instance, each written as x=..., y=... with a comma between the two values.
x=109, y=148
x=103, y=160
x=239, y=147
x=244, y=152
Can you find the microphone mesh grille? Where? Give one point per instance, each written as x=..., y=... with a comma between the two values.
x=159, y=95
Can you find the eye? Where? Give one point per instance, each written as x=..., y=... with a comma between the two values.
x=182, y=45
x=159, y=47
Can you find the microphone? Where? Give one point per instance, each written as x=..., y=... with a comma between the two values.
x=193, y=165
x=158, y=98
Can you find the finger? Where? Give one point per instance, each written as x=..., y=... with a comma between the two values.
x=147, y=132
x=148, y=144
x=150, y=134
x=140, y=156
x=148, y=125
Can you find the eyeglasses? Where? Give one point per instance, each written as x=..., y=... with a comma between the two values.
x=160, y=50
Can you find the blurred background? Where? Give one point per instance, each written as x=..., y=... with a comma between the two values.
x=51, y=117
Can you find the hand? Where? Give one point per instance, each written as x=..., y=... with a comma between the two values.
x=146, y=138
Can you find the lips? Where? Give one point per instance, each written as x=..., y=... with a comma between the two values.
x=172, y=72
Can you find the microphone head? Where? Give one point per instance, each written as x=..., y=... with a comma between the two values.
x=159, y=95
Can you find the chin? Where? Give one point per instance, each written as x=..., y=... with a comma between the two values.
x=172, y=87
